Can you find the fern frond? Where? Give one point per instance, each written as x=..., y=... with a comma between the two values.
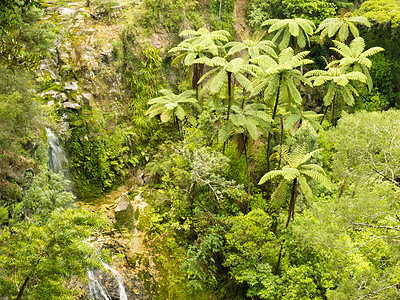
x=319, y=178
x=305, y=188
x=270, y=175
x=218, y=81
x=280, y=194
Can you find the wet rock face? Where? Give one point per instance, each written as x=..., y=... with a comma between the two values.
x=82, y=67
x=132, y=287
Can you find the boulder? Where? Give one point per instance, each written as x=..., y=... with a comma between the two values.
x=124, y=213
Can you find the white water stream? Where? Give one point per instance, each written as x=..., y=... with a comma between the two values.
x=58, y=162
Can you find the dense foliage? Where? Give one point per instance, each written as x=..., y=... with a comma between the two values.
x=269, y=159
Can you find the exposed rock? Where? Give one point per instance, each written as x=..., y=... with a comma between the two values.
x=50, y=103
x=62, y=97
x=71, y=105
x=124, y=213
x=67, y=11
x=71, y=85
x=87, y=98
x=51, y=93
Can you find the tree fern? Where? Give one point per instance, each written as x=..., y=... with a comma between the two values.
x=299, y=29
x=341, y=26
x=296, y=173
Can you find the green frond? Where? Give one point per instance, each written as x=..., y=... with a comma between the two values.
x=334, y=28
x=343, y=33
x=204, y=61
x=180, y=112
x=290, y=120
x=294, y=92
x=285, y=40
x=301, y=39
x=323, y=35
x=270, y=22
x=372, y=51
x=185, y=95
x=314, y=73
x=225, y=131
x=330, y=93
x=289, y=173
x=251, y=128
x=285, y=56
x=347, y=96
x=264, y=61
x=236, y=48
x=321, y=80
x=190, y=58
x=166, y=116
x=273, y=85
x=188, y=32
x=363, y=61
x=305, y=188
x=308, y=26
x=258, y=86
x=307, y=156
x=218, y=81
x=243, y=81
x=320, y=178
x=280, y=194
x=313, y=167
x=154, y=110
x=356, y=76
x=209, y=73
x=360, y=20
x=275, y=24
x=293, y=28
x=341, y=48
x=357, y=46
x=353, y=29
x=341, y=80
x=217, y=62
x=178, y=59
x=270, y=175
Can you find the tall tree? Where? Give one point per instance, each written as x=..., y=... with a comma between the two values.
x=295, y=173
x=276, y=81
x=245, y=124
x=172, y=106
x=339, y=84
x=199, y=44
x=223, y=72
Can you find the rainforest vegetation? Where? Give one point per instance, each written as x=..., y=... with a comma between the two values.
x=263, y=136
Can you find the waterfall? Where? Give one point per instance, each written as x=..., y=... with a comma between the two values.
x=97, y=286
x=97, y=289
x=57, y=159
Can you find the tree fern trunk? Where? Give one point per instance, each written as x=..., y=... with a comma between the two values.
x=229, y=103
x=269, y=134
x=21, y=291
x=292, y=203
x=333, y=121
x=247, y=164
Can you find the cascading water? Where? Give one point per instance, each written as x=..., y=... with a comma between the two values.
x=58, y=163
x=57, y=159
x=97, y=289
